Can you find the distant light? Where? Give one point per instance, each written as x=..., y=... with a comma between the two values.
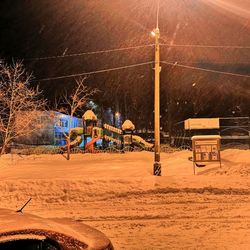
x=117, y=114
x=194, y=84
x=152, y=33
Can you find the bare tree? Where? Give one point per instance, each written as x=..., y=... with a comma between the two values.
x=74, y=103
x=19, y=104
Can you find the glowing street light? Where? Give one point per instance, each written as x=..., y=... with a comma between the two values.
x=152, y=33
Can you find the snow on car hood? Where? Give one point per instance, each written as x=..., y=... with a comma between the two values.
x=71, y=235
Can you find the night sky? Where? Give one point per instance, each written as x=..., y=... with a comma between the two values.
x=33, y=29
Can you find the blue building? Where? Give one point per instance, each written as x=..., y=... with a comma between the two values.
x=62, y=127
x=51, y=129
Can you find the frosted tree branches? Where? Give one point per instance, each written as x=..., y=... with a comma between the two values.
x=19, y=104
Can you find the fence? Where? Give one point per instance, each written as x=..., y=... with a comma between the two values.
x=234, y=132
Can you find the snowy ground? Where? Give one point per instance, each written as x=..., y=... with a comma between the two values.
x=117, y=194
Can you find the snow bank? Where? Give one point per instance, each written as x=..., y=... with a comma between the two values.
x=118, y=194
x=128, y=165
x=128, y=125
x=51, y=178
x=89, y=115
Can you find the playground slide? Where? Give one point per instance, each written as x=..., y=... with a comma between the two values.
x=76, y=142
x=75, y=137
x=140, y=142
x=91, y=143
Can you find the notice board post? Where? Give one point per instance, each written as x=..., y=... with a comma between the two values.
x=206, y=148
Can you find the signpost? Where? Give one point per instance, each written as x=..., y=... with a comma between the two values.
x=206, y=148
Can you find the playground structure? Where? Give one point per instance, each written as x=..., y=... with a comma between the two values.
x=93, y=137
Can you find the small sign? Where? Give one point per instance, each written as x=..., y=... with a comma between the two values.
x=206, y=148
x=202, y=123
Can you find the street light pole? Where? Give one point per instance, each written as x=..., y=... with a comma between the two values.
x=157, y=164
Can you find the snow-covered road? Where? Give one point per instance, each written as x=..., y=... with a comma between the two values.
x=117, y=194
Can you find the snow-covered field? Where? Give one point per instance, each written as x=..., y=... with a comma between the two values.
x=117, y=194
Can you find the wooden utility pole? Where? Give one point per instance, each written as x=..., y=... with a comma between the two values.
x=157, y=164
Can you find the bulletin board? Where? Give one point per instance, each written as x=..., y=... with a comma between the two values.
x=206, y=148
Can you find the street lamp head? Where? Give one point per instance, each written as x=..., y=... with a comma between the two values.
x=155, y=32
x=152, y=33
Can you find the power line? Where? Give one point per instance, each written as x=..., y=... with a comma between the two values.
x=205, y=46
x=133, y=47
x=94, y=72
x=209, y=62
x=207, y=70
x=137, y=65
x=88, y=53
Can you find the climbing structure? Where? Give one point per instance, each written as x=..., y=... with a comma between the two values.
x=110, y=135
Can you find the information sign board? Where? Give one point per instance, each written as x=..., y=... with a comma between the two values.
x=206, y=148
x=202, y=123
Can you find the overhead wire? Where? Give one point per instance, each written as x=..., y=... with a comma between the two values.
x=94, y=72
x=204, y=69
x=137, y=65
x=135, y=47
x=205, y=46
x=88, y=53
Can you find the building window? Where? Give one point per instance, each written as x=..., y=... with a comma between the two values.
x=63, y=123
x=59, y=135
